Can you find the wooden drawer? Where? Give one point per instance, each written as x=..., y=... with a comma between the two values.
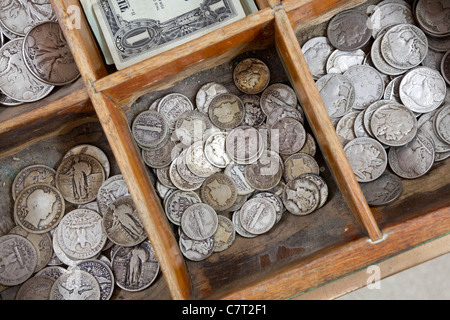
x=296, y=256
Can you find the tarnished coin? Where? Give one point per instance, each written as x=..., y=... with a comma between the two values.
x=317, y=52
x=284, y=112
x=75, y=285
x=299, y=164
x=441, y=45
x=53, y=272
x=192, y=180
x=47, y=54
x=339, y=61
x=394, y=125
x=113, y=188
x=367, y=158
x=244, y=144
x=80, y=234
x=382, y=191
x=163, y=176
x=433, y=17
x=349, y=30
x=226, y=111
x=236, y=172
x=178, y=181
x=39, y=208
x=162, y=157
x=18, y=259
x=32, y=175
x=321, y=185
x=414, y=159
x=427, y=127
x=177, y=202
x=301, y=196
x=388, y=14
x=445, y=67
x=206, y=93
x=277, y=95
x=287, y=136
x=79, y=177
x=17, y=82
x=433, y=59
x=102, y=272
x=199, y=221
x=368, y=84
x=392, y=91
x=93, y=151
x=196, y=250
x=122, y=224
x=172, y=106
x=442, y=123
x=192, y=126
x=197, y=162
x=150, y=130
x=368, y=112
x=35, y=288
x=61, y=255
x=337, y=93
x=422, y=89
x=225, y=234
x=257, y=216
x=310, y=146
x=254, y=114
x=218, y=191
x=359, y=129
x=251, y=76
x=275, y=200
x=265, y=173
x=380, y=62
x=345, y=127
x=215, y=150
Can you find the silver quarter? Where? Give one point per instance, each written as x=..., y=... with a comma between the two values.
x=368, y=83
x=382, y=191
x=75, y=285
x=317, y=51
x=93, y=151
x=277, y=95
x=257, y=216
x=338, y=94
x=206, y=93
x=35, y=288
x=33, y=174
x=301, y=196
x=110, y=190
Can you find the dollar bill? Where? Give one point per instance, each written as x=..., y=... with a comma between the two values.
x=135, y=30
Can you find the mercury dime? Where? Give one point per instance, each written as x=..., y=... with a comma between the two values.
x=196, y=250
x=442, y=123
x=172, y=106
x=368, y=84
x=226, y=111
x=349, y=30
x=32, y=175
x=17, y=82
x=321, y=185
x=445, y=67
x=337, y=93
x=177, y=203
x=389, y=14
x=422, y=89
x=317, y=51
x=299, y=164
x=277, y=95
x=414, y=159
x=265, y=173
x=345, y=127
x=339, y=61
x=219, y=191
x=367, y=158
x=93, y=151
x=433, y=17
x=251, y=76
x=215, y=150
x=206, y=93
x=382, y=191
x=102, y=272
x=275, y=200
x=238, y=226
x=192, y=126
x=257, y=216
x=122, y=224
x=35, y=288
x=284, y=112
x=47, y=54
x=178, y=181
x=75, y=285
x=394, y=125
x=301, y=196
x=225, y=234
x=39, y=208
x=150, y=129
x=79, y=177
x=244, y=144
x=162, y=157
x=236, y=172
x=199, y=221
x=254, y=115
x=287, y=136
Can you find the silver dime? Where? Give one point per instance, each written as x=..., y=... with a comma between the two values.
x=178, y=181
x=112, y=189
x=287, y=136
x=93, y=151
x=277, y=95
x=215, y=150
x=254, y=114
x=349, y=30
x=382, y=191
x=299, y=164
x=197, y=162
x=433, y=17
x=238, y=226
x=389, y=14
x=177, y=203
x=244, y=144
x=422, y=89
x=199, y=221
x=192, y=126
x=414, y=159
x=196, y=250
x=275, y=200
x=150, y=129
x=265, y=173
x=102, y=272
x=225, y=234
x=218, y=191
x=226, y=111
x=236, y=172
x=301, y=196
x=339, y=61
x=338, y=94
x=163, y=176
x=257, y=216
x=368, y=83
x=35, y=288
x=317, y=51
x=32, y=175
x=284, y=112
x=172, y=106
x=321, y=185
x=442, y=123
x=206, y=93
x=367, y=158
x=162, y=157
x=75, y=285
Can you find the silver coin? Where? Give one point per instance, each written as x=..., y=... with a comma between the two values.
x=321, y=185
x=301, y=196
x=177, y=203
x=382, y=191
x=445, y=67
x=368, y=112
x=368, y=83
x=277, y=95
x=317, y=52
x=254, y=114
x=218, y=191
x=442, y=123
x=310, y=146
x=240, y=200
x=162, y=157
x=236, y=172
x=414, y=159
x=150, y=129
x=433, y=59
x=178, y=181
x=422, y=89
x=358, y=128
x=172, y=106
x=339, y=61
x=275, y=200
x=215, y=150
x=32, y=175
x=257, y=216
x=196, y=250
x=441, y=156
x=17, y=81
x=284, y=112
x=389, y=14
x=19, y=259
x=61, y=255
x=225, y=234
x=433, y=17
x=265, y=173
x=394, y=125
x=244, y=144
x=206, y=93
x=345, y=127
x=441, y=45
x=367, y=158
x=427, y=127
x=226, y=111
x=93, y=151
x=192, y=126
x=287, y=136
x=75, y=285
x=338, y=94
x=392, y=91
x=197, y=162
x=35, y=288
x=380, y=62
x=113, y=188
x=299, y=164
x=163, y=177
x=52, y=271
x=235, y=218
x=9, y=102
x=199, y=221
x=184, y=172
x=102, y=273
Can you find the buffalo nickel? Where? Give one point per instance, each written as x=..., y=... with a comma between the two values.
x=338, y=94
x=349, y=30
x=384, y=190
x=339, y=61
x=317, y=51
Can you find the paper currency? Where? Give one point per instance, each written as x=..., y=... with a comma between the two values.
x=135, y=30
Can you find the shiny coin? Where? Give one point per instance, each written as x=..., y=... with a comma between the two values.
x=317, y=52
x=177, y=203
x=196, y=250
x=218, y=191
x=299, y=164
x=197, y=161
x=79, y=177
x=236, y=172
x=244, y=144
x=287, y=136
x=113, y=188
x=19, y=259
x=445, y=67
x=254, y=115
x=75, y=285
x=199, y=221
x=39, y=208
x=349, y=30
x=345, y=127
x=251, y=76
x=61, y=256
x=206, y=93
x=339, y=61
x=432, y=17
x=367, y=158
x=192, y=126
x=275, y=200
x=265, y=173
x=93, y=151
x=389, y=14
x=337, y=93
x=257, y=216
x=215, y=150
x=277, y=95
x=301, y=197
x=226, y=111
x=225, y=234
x=32, y=175
x=321, y=185
x=150, y=130
x=102, y=272
x=442, y=123
x=414, y=159
x=284, y=112
x=368, y=84
x=35, y=288
x=47, y=54
x=172, y=106
x=382, y=191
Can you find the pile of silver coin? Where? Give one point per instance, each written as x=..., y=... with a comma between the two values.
x=77, y=233
x=228, y=163
x=383, y=76
x=34, y=53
